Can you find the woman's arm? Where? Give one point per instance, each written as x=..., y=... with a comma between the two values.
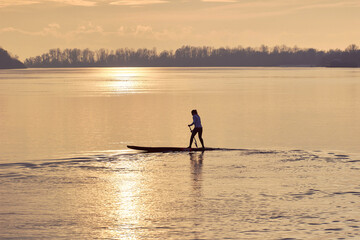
x=192, y=122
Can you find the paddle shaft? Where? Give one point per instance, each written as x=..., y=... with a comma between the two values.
x=194, y=136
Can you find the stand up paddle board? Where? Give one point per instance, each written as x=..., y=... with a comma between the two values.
x=171, y=149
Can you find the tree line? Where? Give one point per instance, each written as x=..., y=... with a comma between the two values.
x=7, y=61
x=189, y=56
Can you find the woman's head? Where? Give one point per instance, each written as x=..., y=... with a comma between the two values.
x=194, y=112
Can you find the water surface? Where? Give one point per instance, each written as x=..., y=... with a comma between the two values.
x=65, y=172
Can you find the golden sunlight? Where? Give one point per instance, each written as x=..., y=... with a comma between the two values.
x=123, y=79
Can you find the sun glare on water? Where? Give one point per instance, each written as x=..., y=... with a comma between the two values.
x=124, y=80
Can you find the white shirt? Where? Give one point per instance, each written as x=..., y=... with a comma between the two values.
x=196, y=121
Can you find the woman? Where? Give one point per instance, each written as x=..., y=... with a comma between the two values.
x=198, y=128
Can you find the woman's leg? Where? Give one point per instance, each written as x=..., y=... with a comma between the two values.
x=193, y=133
x=200, y=137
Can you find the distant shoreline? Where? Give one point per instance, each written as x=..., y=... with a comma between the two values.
x=189, y=56
x=283, y=66
x=191, y=66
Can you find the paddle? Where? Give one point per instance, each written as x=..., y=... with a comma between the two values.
x=194, y=136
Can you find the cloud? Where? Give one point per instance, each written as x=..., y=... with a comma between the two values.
x=146, y=33
x=304, y=4
x=84, y=3
x=7, y=3
x=88, y=28
x=137, y=2
x=143, y=31
x=49, y=30
x=264, y=9
x=54, y=30
x=220, y=1
x=336, y=4
x=295, y=4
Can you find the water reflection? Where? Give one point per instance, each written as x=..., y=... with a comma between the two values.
x=196, y=160
x=124, y=79
x=128, y=207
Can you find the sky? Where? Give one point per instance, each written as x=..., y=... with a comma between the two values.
x=31, y=27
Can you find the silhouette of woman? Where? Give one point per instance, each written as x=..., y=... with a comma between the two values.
x=198, y=128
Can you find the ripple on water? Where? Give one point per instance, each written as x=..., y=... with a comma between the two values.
x=254, y=194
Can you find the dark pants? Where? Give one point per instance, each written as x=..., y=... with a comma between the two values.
x=194, y=132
